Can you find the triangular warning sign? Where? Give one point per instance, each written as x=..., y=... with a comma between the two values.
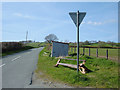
x=73, y=15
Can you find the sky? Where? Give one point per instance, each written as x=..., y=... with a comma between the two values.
x=43, y=18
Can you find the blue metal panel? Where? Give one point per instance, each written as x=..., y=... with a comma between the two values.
x=59, y=49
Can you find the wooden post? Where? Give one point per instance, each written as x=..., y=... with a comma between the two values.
x=83, y=51
x=97, y=52
x=74, y=49
x=89, y=51
x=107, y=53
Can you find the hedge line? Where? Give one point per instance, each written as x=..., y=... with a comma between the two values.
x=11, y=46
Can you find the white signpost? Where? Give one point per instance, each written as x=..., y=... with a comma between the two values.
x=77, y=18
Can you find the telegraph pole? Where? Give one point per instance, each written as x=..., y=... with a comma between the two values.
x=26, y=35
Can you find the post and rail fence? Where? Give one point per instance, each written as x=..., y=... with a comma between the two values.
x=83, y=50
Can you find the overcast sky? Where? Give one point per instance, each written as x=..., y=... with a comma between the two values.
x=42, y=19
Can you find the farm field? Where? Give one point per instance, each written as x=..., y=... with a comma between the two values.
x=35, y=45
x=97, y=44
x=104, y=72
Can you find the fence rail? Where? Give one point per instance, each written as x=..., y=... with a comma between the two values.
x=95, y=47
x=90, y=49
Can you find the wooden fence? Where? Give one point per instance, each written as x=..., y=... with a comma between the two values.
x=73, y=49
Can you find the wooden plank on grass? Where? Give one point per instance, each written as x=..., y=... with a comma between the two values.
x=68, y=65
x=71, y=59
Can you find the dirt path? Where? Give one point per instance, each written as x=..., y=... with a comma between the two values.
x=45, y=83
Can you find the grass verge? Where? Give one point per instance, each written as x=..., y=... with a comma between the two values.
x=104, y=72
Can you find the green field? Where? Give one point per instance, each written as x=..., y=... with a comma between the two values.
x=35, y=45
x=97, y=44
x=104, y=72
x=112, y=53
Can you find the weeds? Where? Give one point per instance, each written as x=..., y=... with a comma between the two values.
x=104, y=72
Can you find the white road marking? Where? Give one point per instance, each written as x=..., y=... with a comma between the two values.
x=16, y=58
x=2, y=65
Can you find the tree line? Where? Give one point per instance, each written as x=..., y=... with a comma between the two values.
x=52, y=37
x=97, y=43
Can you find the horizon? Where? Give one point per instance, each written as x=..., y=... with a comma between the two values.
x=63, y=41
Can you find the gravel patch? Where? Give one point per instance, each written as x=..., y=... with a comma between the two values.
x=45, y=83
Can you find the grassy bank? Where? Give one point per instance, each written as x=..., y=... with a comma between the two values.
x=104, y=72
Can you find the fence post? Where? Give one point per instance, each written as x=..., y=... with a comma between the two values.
x=83, y=51
x=89, y=51
x=97, y=52
x=107, y=53
x=74, y=49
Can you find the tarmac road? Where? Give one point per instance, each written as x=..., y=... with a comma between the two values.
x=17, y=69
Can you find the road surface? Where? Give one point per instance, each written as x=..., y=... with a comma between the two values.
x=17, y=69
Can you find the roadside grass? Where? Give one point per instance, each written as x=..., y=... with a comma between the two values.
x=104, y=72
x=112, y=53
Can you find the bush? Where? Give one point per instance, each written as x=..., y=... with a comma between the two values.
x=8, y=46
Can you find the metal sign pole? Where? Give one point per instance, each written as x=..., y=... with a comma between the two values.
x=78, y=41
x=77, y=19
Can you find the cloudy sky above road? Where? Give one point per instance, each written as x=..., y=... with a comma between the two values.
x=43, y=18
